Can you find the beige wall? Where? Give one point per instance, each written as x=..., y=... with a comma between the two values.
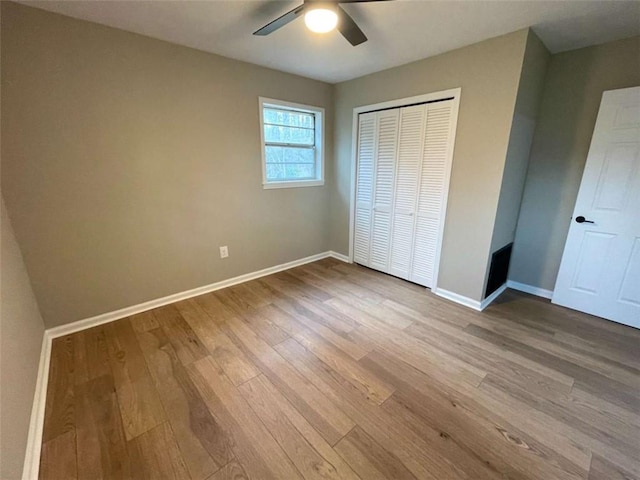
x=573, y=89
x=21, y=332
x=128, y=161
x=534, y=68
x=488, y=73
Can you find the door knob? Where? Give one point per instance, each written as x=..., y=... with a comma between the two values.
x=581, y=219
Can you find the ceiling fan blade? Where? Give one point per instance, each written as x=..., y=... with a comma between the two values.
x=349, y=29
x=280, y=21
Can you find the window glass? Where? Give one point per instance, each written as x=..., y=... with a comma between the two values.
x=291, y=152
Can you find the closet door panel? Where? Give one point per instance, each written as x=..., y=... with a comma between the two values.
x=410, y=146
x=384, y=171
x=364, y=187
x=431, y=190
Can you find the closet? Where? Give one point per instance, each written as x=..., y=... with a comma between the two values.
x=403, y=161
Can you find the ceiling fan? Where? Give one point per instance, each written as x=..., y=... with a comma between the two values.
x=322, y=17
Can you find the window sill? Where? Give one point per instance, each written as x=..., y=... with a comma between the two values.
x=293, y=184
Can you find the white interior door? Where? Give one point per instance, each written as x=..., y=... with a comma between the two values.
x=436, y=163
x=600, y=269
x=410, y=149
x=383, y=174
x=403, y=162
x=367, y=139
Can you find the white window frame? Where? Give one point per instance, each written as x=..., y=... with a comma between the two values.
x=318, y=148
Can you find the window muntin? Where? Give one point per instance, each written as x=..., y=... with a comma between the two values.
x=292, y=144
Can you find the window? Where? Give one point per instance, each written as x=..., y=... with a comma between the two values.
x=292, y=140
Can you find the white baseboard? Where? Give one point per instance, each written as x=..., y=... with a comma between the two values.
x=523, y=287
x=31, y=465
x=487, y=301
x=469, y=302
x=457, y=298
x=339, y=256
x=34, y=440
x=176, y=297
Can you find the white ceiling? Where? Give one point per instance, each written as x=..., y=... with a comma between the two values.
x=399, y=32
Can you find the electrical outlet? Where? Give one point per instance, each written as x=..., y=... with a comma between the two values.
x=224, y=252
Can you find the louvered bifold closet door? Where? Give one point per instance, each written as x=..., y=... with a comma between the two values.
x=410, y=147
x=367, y=139
x=431, y=191
x=384, y=171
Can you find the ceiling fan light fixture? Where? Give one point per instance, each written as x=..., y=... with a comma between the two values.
x=321, y=20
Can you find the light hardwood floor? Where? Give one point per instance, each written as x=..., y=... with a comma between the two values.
x=335, y=371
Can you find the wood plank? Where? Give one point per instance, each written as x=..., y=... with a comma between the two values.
x=469, y=431
x=233, y=361
x=80, y=365
x=265, y=328
x=541, y=425
x=381, y=312
x=266, y=401
x=431, y=361
x=88, y=455
x=214, y=308
x=444, y=440
x=620, y=352
x=288, y=323
x=371, y=387
x=547, y=343
x=319, y=269
x=455, y=337
x=407, y=294
x=480, y=425
x=369, y=459
x=590, y=402
x=159, y=454
x=270, y=332
x=185, y=342
x=101, y=444
x=58, y=458
x=140, y=406
x=204, y=445
x=60, y=402
x=310, y=308
x=231, y=471
x=410, y=448
x=538, y=311
x=285, y=282
x=233, y=302
x=260, y=291
x=97, y=352
x=143, y=322
x=335, y=284
x=125, y=357
x=254, y=297
x=226, y=401
x=242, y=445
x=332, y=423
x=310, y=434
x=602, y=469
x=298, y=324
x=493, y=360
x=613, y=391
x=597, y=430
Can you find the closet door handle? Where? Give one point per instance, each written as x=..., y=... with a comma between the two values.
x=581, y=219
